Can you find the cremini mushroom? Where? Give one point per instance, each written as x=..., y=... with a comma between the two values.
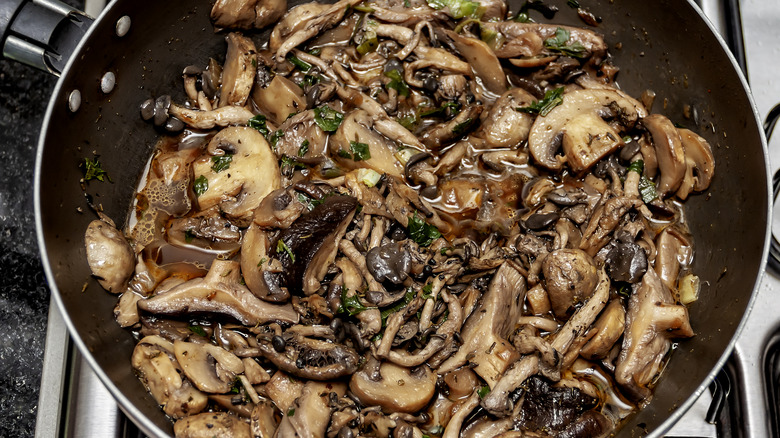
x=570, y=277
x=699, y=163
x=505, y=127
x=210, y=424
x=219, y=292
x=543, y=138
x=199, y=363
x=110, y=257
x=669, y=152
x=309, y=414
x=238, y=172
x=393, y=387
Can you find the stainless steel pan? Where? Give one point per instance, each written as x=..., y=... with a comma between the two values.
x=665, y=46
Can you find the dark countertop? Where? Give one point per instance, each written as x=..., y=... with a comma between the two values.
x=24, y=295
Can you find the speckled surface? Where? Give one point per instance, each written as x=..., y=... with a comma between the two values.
x=24, y=296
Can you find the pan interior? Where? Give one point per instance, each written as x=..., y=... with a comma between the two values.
x=664, y=46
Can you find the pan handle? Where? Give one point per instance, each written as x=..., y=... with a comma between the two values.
x=774, y=248
x=41, y=33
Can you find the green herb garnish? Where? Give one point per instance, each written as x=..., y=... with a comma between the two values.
x=259, y=122
x=637, y=166
x=427, y=291
x=360, y=151
x=281, y=246
x=294, y=60
x=574, y=4
x=201, y=185
x=344, y=154
x=462, y=127
x=327, y=118
x=292, y=163
x=446, y=109
x=559, y=43
x=551, y=99
x=274, y=140
x=422, y=232
x=198, y=330
x=647, y=189
x=397, y=82
x=459, y=8
x=482, y=392
x=351, y=305
x=538, y=5
x=261, y=262
x=303, y=148
x=92, y=170
x=291, y=412
x=221, y=162
x=408, y=297
x=188, y=236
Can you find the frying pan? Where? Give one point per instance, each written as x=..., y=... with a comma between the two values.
x=666, y=46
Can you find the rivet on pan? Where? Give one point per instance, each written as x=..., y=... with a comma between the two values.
x=122, y=26
x=107, y=82
x=74, y=100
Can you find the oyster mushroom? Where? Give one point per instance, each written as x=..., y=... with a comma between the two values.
x=281, y=98
x=238, y=73
x=221, y=292
x=699, y=163
x=199, y=362
x=481, y=58
x=527, y=39
x=246, y=14
x=357, y=134
x=110, y=257
x=308, y=247
x=669, y=152
x=442, y=134
x=261, y=274
x=225, y=116
x=570, y=277
x=310, y=414
x=605, y=332
x=246, y=173
x=394, y=388
x=673, y=250
x=486, y=330
x=390, y=262
x=153, y=360
x=542, y=139
x=298, y=130
x=310, y=358
x=210, y=424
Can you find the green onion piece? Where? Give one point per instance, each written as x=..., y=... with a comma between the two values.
x=397, y=82
x=302, y=65
x=369, y=177
x=647, y=189
x=637, y=166
x=92, y=170
x=422, y=232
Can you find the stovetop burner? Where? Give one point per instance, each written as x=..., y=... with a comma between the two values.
x=743, y=401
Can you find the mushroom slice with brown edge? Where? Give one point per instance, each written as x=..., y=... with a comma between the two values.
x=246, y=14
x=207, y=231
x=699, y=163
x=261, y=273
x=239, y=171
x=310, y=414
x=110, y=257
x=308, y=247
x=152, y=361
x=570, y=277
x=481, y=59
x=651, y=321
x=485, y=332
x=199, y=363
x=356, y=144
x=221, y=292
x=442, y=134
x=393, y=387
x=673, y=249
x=211, y=424
x=587, y=138
x=280, y=99
x=606, y=331
x=504, y=126
x=542, y=139
x=263, y=420
x=238, y=73
x=311, y=358
x=302, y=137
x=669, y=152
x=227, y=115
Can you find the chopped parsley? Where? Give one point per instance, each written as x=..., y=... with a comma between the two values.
x=422, y=232
x=446, y=109
x=482, y=392
x=551, y=99
x=281, y=246
x=188, y=236
x=574, y=4
x=344, y=154
x=92, y=170
x=647, y=189
x=304, y=148
x=259, y=122
x=559, y=43
x=201, y=185
x=291, y=412
x=351, y=305
x=408, y=297
x=360, y=151
x=292, y=163
x=274, y=138
x=221, y=162
x=327, y=118
x=198, y=330
x=261, y=262
x=459, y=8
x=397, y=83
x=427, y=291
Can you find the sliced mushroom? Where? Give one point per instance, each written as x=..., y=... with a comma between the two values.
x=219, y=292
x=699, y=163
x=669, y=152
x=355, y=132
x=443, y=134
x=110, y=257
x=394, y=388
x=261, y=273
x=652, y=319
x=227, y=115
x=308, y=247
x=606, y=331
x=570, y=277
x=294, y=20
x=246, y=14
x=126, y=310
x=587, y=139
x=310, y=414
x=238, y=73
x=486, y=331
x=527, y=39
x=250, y=174
x=211, y=424
x=152, y=360
x=310, y=358
x=542, y=140
x=207, y=231
x=482, y=60
x=263, y=420
x=673, y=250
x=503, y=126
x=280, y=99
x=198, y=363
x=299, y=130
x=283, y=389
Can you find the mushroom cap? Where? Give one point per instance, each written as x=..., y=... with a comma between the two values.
x=398, y=389
x=570, y=276
x=110, y=257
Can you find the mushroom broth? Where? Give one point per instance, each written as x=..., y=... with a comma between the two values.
x=404, y=219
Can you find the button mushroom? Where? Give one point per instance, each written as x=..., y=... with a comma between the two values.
x=239, y=170
x=504, y=126
x=394, y=388
x=356, y=144
x=220, y=291
x=110, y=257
x=570, y=277
x=309, y=415
x=211, y=424
x=605, y=332
x=542, y=139
x=202, y=363
x=587, y=139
